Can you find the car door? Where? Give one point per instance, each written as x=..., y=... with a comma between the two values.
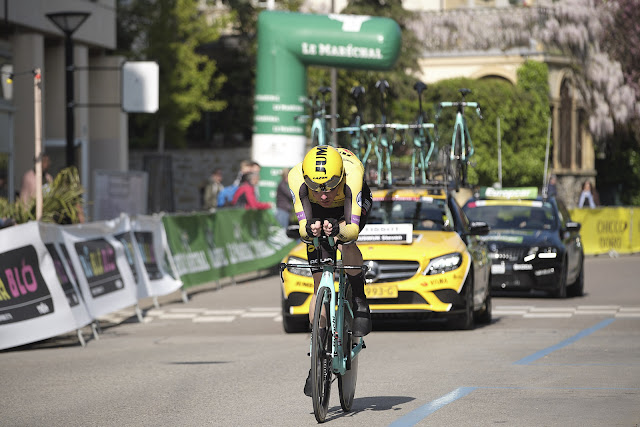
x=571, y=240
x=478, y=250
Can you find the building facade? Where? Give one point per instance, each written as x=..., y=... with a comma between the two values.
x=29, y=41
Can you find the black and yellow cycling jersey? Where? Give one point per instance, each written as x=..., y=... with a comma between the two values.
x=351, y=203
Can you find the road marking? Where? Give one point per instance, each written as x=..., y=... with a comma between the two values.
x=417, y=415
x=214, y=319
x=542, y=353
x=547, y=315
x=170, y=316
x=259, y=314
x=532, y=312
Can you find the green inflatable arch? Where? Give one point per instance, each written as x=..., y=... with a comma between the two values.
x=287, y=43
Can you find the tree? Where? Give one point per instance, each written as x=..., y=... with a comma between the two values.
x=171, y=32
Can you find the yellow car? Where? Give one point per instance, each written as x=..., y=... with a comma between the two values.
x=424, y=256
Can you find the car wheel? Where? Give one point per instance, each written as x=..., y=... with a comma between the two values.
x=465, y=320
x=484, y=315
x=577, y=288
x=561, y=292
x=290, y=324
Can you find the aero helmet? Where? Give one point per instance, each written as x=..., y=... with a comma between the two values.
x=322, y=168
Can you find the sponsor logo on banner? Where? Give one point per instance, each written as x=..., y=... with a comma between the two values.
x=23, y=292
x=67, y=286
x=144, y=239
x=127, y=243
x=98, y=260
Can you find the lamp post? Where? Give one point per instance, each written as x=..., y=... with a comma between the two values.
x=69, y=22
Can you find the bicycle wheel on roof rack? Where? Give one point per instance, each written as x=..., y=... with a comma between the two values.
x=321, y=362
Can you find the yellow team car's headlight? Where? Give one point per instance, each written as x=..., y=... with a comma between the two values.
x=443, y=264
x=306, y=271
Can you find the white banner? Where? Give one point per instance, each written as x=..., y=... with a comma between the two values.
x=51, y=237
x=153, y=254
x=104, y=274
x=33, y=305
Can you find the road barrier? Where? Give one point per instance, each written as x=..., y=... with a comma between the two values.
x=609, y=229
x=57, y=279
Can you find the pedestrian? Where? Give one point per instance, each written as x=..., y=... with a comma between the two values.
x=586, y=196
x=212, y=189
x=552, y=190
x=246, y=193
x=28, y=186
x=283, y=200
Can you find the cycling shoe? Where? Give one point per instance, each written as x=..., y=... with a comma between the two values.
x=361, y=317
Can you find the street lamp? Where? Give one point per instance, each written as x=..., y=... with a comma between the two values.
x=69, y=22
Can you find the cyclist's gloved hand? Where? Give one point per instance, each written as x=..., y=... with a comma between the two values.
x=335, y=227
x=317, y=227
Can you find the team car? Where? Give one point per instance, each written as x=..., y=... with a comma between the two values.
x=424, y=257
x=533, y=244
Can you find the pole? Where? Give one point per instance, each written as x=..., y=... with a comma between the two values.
x=37, y=110
x=334, y=95
x=546, y=161
x=70, y=122
x=499, y=153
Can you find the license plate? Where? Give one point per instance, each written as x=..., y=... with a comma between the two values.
x=381, y=291
x=497, y=268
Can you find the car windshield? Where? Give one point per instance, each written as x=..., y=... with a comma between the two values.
x=530, y=217
x=423, y=213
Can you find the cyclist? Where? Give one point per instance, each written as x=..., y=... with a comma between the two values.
x=330, y=196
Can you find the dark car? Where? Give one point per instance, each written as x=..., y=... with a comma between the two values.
x=533, y=244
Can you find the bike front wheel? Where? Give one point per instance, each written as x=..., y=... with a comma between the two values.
x=321, y=366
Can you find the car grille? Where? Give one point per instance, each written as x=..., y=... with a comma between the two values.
x=509, y=254
x=390, y=271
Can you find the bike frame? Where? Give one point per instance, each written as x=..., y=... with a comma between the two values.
x=461, y=125
x=335, y=318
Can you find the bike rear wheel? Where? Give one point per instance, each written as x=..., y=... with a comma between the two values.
x=321, y=369
x=347, y=382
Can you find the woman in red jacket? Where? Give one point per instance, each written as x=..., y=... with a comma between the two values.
x=246, y=193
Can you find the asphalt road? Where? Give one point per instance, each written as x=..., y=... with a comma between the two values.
x=223, y=359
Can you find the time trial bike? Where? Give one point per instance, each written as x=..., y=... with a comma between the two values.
x=333, y=349
x=461, y=145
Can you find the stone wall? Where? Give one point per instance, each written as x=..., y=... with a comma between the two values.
x=191, y=168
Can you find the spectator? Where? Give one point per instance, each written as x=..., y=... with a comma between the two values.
x=552, y=190
x=283, y=200
x=246, y=193
x=28, y=186
x=212, y=189
x=587, y=196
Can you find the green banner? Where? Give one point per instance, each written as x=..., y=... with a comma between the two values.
x=209, y=246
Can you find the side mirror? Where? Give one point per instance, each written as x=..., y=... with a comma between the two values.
x=293, y=231
x=479, y=228
x=573, y=226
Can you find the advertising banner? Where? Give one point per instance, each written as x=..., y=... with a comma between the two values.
x=606, y=229
x=104, y=274
x=33, y=305
x=50, y=234
x=153, y=257
x=206, y=247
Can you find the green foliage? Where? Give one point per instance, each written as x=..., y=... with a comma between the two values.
x=172, y=33
x=60, y=203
